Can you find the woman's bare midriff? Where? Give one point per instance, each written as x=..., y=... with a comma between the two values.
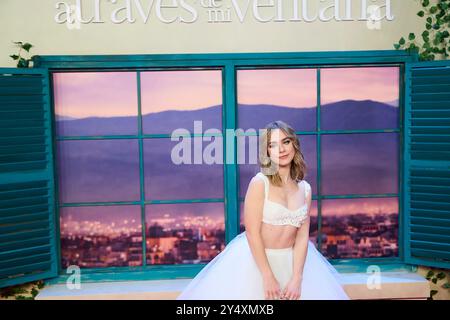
x=278, y=237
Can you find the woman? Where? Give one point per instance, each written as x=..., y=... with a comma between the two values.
x=273, y=258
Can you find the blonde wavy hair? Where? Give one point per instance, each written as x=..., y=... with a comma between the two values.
x=298, y=163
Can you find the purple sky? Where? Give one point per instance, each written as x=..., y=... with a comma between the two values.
x=108, y=94
x=371, y=83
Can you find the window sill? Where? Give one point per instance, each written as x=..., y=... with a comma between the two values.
x=393, y=285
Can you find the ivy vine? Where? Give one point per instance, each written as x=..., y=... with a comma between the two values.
x=27, y=291
x=435, y=37
x=434, y=277
x=22, y=62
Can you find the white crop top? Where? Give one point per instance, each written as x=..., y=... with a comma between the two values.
x=277, y=214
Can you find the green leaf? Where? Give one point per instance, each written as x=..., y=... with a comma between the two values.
x=429, y=20
x=14, y=56
x=18, y=42
x=446, y=285
x=24, y=298
x=434, y=280
x=27, y=47
x=430, y=274
x=34, y=292
x=428, y=26
x=433, y=9
x=402, y=41
x=22, y=63
x=397, y=46
x=425, y=3
x=421, y=13
x=433, y=292
x=441, y=275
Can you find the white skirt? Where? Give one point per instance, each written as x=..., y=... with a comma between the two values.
x=234, y=275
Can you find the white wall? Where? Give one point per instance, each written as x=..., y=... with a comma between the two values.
x=34, y=21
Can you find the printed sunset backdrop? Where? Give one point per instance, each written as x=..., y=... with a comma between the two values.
x=99, y=104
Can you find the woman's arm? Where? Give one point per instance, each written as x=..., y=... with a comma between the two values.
x=301, y=249
x=253, y=211
x=292, y=290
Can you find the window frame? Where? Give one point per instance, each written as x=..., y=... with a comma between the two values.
x=230, y=63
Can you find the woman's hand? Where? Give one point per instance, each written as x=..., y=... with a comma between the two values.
x=272, y=289
x=292, y=289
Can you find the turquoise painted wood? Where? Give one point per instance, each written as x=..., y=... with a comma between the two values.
x=229, y=63
x=427, y=164
x=27, y=213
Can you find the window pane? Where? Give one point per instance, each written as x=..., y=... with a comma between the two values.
x=103, y=103
x=360, y=228
x=97, y=237
x=98, y=170
x=187, y=233
x=164, y=179
x=278, y=94
x=360, y=163
x=248, y=168
x=314, y=225
x=359, y=98
x=175, y=99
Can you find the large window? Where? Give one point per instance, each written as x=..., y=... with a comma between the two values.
x=347, y=121
x=123, y=200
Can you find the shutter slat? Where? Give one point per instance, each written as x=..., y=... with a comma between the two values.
x=431, y=97
x=428, y=213
x=13, y=245
x=434, y=254
x=23, y=226
x=427, y=164
x=25, y=81
x=431, y=245
x=7, y=101
x=430, y=146
x=430, y=221
x=30, y=139
x=429, y=138
x=436, y=79
x=14, y=91
x=430, y=105
x=430, y=229
x=24, y=209
x=23, y=218
x=24, y=166
x=19, y=253
x=431, y=88
x=433, y=122
x=431, y=113
x=27, y=217
x=20, y=271
x=15, y=194
x=24, y=235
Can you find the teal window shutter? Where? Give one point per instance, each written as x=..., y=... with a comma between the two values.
x=28, y=249
x=426, y=186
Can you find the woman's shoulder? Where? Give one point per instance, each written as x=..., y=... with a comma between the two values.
x=257, y=179
x=307, y=186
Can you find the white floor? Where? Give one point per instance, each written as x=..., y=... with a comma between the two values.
x=390, y=285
